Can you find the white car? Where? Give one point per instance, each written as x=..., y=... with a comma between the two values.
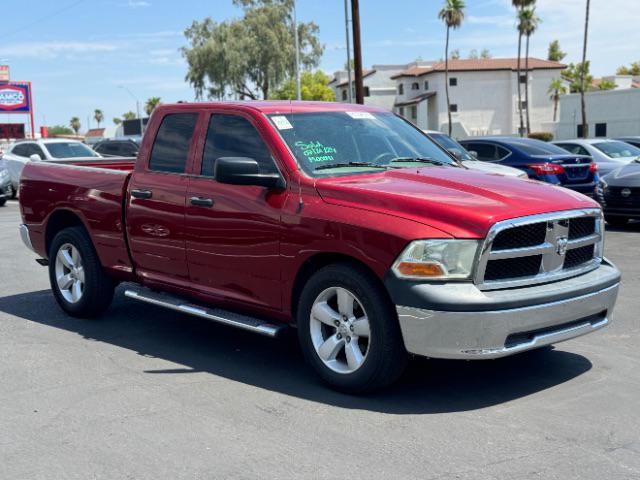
x=468, y=160
x=47, y=149
x=608, y=154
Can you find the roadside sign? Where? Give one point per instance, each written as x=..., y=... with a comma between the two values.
x=12, y=130
x=14, y=98
x=4, y=73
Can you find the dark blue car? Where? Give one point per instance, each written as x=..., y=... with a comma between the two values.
x=542, y=161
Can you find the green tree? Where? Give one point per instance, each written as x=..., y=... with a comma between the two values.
x=117, y=121
x=585, y=124
x=247, y=57
x=473, y=54
x=557, y=87
x=128, y=115
x=554, y=53
x=633, y=69
x=452, y=14
x=573, y=74
x=313, y=86
x=455, y=54
x=98, y=115
x=606, y=85
x=485, y=53
x=528, y=23
x=151, y=104
x=74, y=123
x=520, y=5
x=59, y=130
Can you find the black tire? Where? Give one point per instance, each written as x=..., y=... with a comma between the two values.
x=386, y=358
x=98, y=290
x=616, y=221
x=3, y=200
x=13, y=193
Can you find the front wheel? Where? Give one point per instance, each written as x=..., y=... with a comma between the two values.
x=348, y=330
x=77, y=278
x=3, y=200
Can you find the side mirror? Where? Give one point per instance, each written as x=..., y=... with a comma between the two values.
x=35, y=157
x=456, y=153
x=474, y=154
x=245, y=171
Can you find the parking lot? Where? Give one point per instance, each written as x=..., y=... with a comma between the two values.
x=143, y=393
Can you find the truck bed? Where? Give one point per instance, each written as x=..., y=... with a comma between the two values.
x=89, y=191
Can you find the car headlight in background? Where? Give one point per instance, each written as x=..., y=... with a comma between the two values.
x=437, y=260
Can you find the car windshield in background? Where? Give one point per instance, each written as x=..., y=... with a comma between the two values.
x=330, y=143
x=537, y=147
x=69, y=150
x=618, y=149
x=450, y=144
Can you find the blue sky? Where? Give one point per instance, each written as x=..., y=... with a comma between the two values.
x=77, y=52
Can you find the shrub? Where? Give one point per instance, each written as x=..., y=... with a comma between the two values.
x=544, y=136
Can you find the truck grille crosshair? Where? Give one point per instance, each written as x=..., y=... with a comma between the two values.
x=540, y=248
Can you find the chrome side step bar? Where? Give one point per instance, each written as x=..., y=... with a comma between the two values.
x=225, y=317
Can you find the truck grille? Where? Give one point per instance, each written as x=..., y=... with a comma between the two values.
x=540, y=248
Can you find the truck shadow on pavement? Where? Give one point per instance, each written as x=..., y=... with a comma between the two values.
x=428, y=386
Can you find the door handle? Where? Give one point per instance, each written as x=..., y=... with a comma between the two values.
x=201, y=202
x=142, y=194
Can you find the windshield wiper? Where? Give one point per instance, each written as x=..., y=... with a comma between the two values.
x=419, y=160
x=350, y=164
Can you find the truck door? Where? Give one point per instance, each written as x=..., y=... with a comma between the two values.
x=233, y=231
x=156, y=202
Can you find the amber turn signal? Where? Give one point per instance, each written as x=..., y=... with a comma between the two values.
x=420, y=269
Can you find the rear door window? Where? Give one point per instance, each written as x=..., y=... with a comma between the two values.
x=486, y=151
x=171, y=147
x=234, y=136
x=21, y=150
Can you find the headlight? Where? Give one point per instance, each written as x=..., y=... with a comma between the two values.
x=437, y=259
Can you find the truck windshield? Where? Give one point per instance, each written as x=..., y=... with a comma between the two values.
x=69, y=150
x=341, y=143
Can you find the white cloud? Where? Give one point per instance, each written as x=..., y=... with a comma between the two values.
x=49, y=50
x=137, y=4
x=495, y=20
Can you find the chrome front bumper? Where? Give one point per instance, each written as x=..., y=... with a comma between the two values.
x=484, y=333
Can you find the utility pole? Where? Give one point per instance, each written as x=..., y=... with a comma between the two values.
x=346, y=26
x=357, y=50
x=137, y=106
x=295, y=34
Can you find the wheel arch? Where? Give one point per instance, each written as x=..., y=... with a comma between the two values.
x=58, y=221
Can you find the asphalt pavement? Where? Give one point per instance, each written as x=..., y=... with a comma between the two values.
x=144, y=393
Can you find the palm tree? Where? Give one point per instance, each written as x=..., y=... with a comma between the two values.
x=98, y=115
x=527, y=25
x=117, y=121
x=585, y=125
x=520, y=5
x=128, y=115
x=452, y=14
x=151, y=104
x=75, y=124
x=556, y=88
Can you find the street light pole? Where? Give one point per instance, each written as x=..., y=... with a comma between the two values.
x=357, y=50
x=137, y=106
x=346, y=26
x=295, y=34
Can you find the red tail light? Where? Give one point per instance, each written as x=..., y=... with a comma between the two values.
x=547, y=169
x=593, y=167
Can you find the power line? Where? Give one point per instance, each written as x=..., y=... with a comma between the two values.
x=42, y=19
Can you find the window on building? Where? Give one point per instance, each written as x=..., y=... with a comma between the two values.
x=453, y=82
x=601, y=129
x=366, y=92
x=426, y=85
x=415, y=86
x=454, y=107
x=344, y=95
x=414, y=112
x=523, y=79
x=171, y=147
x=401, y=111
x=401, y=89
x=523, y=105
x=579, y=132
x=233, y=136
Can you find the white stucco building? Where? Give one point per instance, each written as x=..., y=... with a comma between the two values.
x=610, y=113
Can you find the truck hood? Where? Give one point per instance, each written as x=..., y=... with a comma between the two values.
x=627, y=176
x=459, y=202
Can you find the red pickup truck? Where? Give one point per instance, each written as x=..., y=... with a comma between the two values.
x=343, y=221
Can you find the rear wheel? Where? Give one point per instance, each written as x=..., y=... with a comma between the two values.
x=13, y=193
x=616, y=221
x=3, y=200
x=77, y=279
x=348, y=330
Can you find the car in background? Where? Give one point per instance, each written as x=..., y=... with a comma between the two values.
x=46, y=149
x=619, y=194
x=540, y=160
x=633, y=140
x=608, y=154
x=6, y=189
x=468, y=159
x=117, y=147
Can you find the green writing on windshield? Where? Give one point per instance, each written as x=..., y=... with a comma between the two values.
x=316, y=151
